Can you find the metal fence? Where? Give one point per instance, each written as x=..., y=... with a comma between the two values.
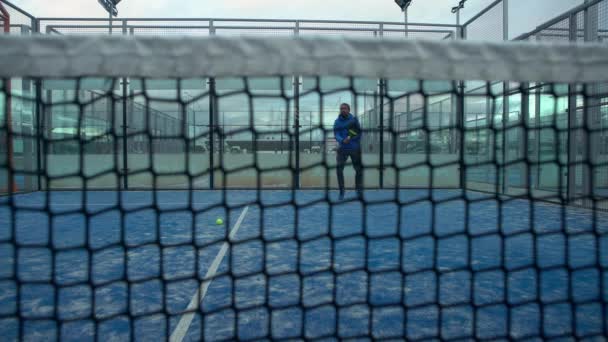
x=587, y=123
x=576, y=131
x=587, y=22
x=23, y=22
x=491, y=24
x=285, y=131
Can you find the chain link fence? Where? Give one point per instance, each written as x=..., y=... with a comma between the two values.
x=298, y=126
x=489, y=24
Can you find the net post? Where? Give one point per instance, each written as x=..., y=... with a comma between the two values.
x=505, y=117
x=592, y=116
x=6, y=85
x=125, y=126
x=47, y=117
x=373, y=118
x=460, y=119
x=6, y=88
x=572, y=144
x=506, y=112
x=590, y=108
x=296, y=97
x=296, y=94
x=26, y=137
x=537, y=123
x=382, y=84
x=537, y=135
x=572, y=134
x=211, y=84
x=460, y=134
x=451, y=123
x=523, y=133
x=39, y=126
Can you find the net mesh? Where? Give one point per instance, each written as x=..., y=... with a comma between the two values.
x=484, y=214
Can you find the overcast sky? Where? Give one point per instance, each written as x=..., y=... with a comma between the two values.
x=524, y=14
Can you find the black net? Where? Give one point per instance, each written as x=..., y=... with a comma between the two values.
x=469, y=226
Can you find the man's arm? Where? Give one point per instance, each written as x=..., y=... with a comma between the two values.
x=339, y=137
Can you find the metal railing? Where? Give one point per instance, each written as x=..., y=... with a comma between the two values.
x=221, y=26
x=290, y=26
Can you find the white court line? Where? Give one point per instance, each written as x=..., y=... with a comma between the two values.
x=186, y=319
x=161, y=203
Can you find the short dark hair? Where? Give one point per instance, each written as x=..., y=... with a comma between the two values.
x=345, y=104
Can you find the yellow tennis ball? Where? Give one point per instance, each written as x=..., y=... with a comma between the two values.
x=219, y=221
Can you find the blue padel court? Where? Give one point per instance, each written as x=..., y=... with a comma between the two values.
x=415, y=263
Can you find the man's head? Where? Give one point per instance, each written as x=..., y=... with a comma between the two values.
x=344, y=109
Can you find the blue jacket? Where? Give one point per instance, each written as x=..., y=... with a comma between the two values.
x=341, y=126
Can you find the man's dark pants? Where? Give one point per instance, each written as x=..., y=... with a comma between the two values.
x=355, y=156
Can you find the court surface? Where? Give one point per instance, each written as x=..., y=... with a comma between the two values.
x=417, y=263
